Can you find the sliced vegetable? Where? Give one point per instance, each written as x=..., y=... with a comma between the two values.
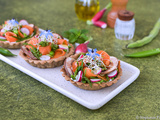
x=79, y=76
x=31, y=25
x=25, y=30
x=44, y=57
x=65, y=47
x=95, y=80
x=23, y=22
x=2, y=37
x=97, y=70
x=6, y=52
x=148, y=38
x=112, y=74
x=146, y=53
x=29, y=28
x=75, y=64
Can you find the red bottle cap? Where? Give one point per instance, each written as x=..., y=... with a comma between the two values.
x=125, y=15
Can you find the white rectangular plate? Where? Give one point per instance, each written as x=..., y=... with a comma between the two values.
x=52, y=77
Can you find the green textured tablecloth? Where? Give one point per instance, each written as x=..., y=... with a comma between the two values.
x=22, y=97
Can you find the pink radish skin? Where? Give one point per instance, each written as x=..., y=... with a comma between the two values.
x=99, y=15
x=99, y=71
x=80, y=57
x=95, y=80
x=112, y=74
x=63, y=47
x=82, y=48
x=101, y=24
x=79, y=76
x=31, y=25
x=2, y=37
x=25, y=30
x=23, y=22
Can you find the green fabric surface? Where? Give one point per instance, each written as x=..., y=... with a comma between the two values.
x=24, y=98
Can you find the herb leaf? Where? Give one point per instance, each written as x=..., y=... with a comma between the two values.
x=76, y=36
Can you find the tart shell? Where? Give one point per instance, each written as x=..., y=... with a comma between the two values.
x=16, y=45
x=86, y=86
x=47, y=63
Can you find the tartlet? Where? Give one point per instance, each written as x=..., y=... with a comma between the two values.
x=46, y=50
x=97, y=77
x=13, y=33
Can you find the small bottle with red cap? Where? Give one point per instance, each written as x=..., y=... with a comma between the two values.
x=125, y=25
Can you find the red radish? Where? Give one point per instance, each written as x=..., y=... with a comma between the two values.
x=2, y=30
x=82, y=48
x=95, y=80
x=25, y=30
x=100, y=24
x=112, y=74
x=2, y=37
x=63, y=47
x=23, y=22
x=97, y=70
x=99, y=15
x=44, y=57
x=80, y=57
x=31, y=25
x=79, y=76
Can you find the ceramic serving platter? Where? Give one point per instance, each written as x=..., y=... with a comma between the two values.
x=52, y=77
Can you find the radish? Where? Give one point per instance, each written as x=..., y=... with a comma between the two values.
x=31, y=25
x=63, y=47
x=80, y=57
x=97, y=70
x=99, y=15
x=44, y=57
x=2, y=30
x=82, y=48
x=112, y=74
x=100, y=24
x=79, y=76
x=25, y=30
x=2, y=37
x=23, y=22
x=95, y=80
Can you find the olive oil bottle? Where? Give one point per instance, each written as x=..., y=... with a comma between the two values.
x=86, y=9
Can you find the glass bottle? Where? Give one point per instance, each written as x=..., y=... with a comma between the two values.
x=113, y=14
x=86, y=9
x=124, y=25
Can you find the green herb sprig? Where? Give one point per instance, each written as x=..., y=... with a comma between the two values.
x=76, y=36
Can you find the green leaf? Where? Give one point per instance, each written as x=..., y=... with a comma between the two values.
x=84, y=37
x=84, y=31
x=80, y=40
x=66, y=34
x=72, y=38
x=75, y=31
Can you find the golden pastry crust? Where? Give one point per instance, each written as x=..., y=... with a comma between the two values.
x=16, y=45
x=86, y=86
x=47, y=63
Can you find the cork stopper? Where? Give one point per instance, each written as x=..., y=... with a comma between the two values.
x=125, y=15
